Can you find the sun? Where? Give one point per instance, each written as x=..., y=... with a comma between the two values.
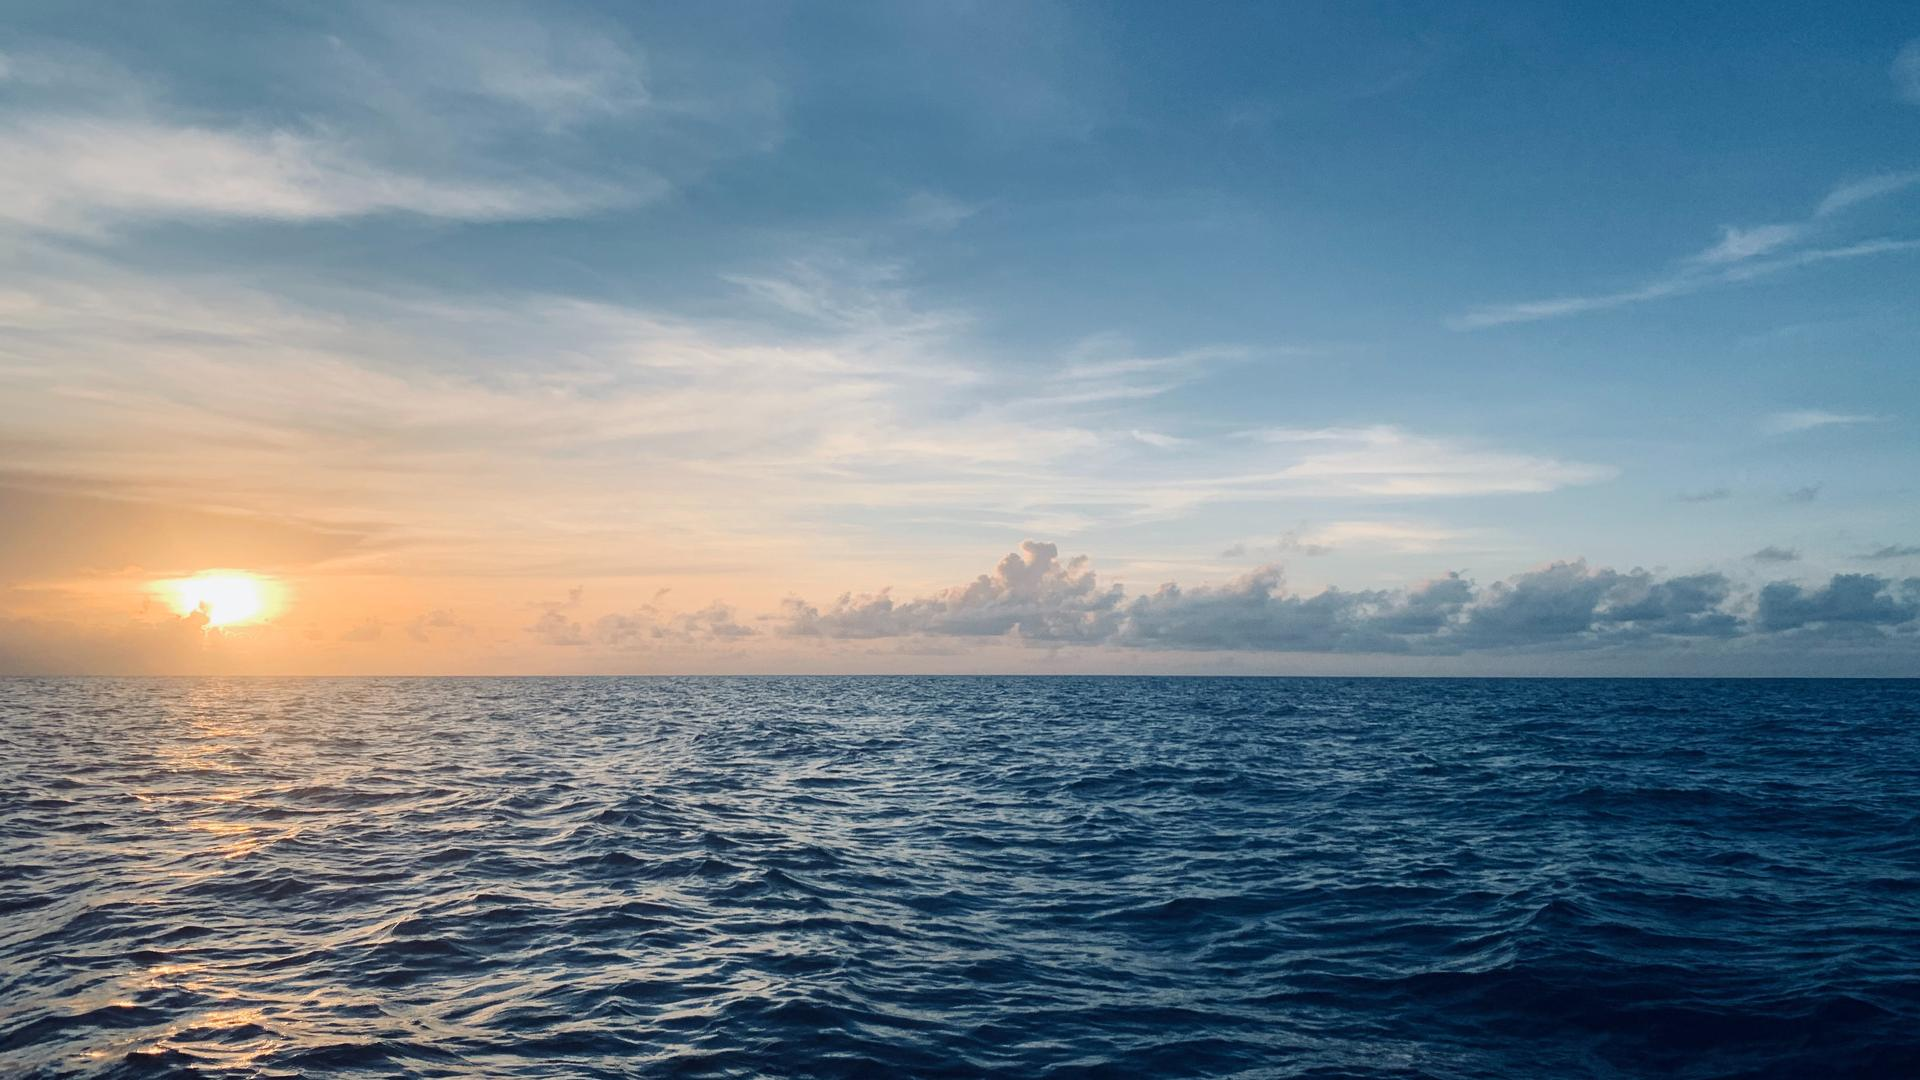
x=225, y=597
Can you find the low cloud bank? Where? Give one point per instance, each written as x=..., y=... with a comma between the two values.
x=1035, y=596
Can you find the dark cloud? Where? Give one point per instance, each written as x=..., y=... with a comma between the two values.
x=1804, y=494
x=1689, y=606
x=1894, y=551
x=1771, y=553
x=1545, y=605
x=1254, y=612
x=1033, y=596
x=1857, y=599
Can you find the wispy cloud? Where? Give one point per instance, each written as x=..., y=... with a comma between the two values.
x=1864, y=189
x=1906, y=72
x=1784, y=423
x=1739, y=244
x=1773, y=554
x=449, y=112
x=79, y=173
x=1395, y=537
x=1742, y=254
x=1894, y=551
x=1389, y=461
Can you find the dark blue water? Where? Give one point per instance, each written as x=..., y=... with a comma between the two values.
x=953, y=877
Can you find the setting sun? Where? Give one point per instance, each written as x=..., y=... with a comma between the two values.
x=225, y=597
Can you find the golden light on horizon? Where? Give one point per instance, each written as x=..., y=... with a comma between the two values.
x=225, y=597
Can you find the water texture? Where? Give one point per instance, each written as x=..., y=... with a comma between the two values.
x=956, y=877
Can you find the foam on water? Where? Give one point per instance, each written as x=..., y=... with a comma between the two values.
x=1033, y=877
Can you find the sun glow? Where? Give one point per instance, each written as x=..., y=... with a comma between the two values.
x=225, y=597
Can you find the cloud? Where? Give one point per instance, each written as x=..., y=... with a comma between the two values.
x=555, y=626
x=1864, y=189
x=648, y=626
x=425, y=627
x=1803, y=494
x=1786, y=423
x=1386, y=460
x=1742, y=254
x=1031, y=594
x=1104, y=369
x=1707, y=496
x=79, y=173
x=1906, y=72
x=444, y=111
x=1774, y=554
x=1400, y=537
x=1036, y=598
x=1894, y=551
x=1738, y=244
x=1866, y=599
x=1158, y=440
x=1571, y=603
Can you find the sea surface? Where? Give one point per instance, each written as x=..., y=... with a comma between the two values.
x=1045, y=877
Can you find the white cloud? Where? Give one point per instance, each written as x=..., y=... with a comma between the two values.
x=1783, y=423
x=1387, y=461
x=1737, y=244
x=1864, y=189
x=1743, y=253
x=1906, y=71
x=1159, y=440
x=80, y=173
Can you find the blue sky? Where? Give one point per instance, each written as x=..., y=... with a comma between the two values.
x=478, y=305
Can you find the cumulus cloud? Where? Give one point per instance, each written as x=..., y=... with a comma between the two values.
x=1865, y=599
x=1034, y=596
x=1031, y=593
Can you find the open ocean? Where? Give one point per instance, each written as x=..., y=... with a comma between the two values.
x=1032, y=877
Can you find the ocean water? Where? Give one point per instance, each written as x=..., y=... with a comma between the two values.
x=959, y=877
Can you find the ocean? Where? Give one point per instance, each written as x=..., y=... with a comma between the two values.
x=1031, y=877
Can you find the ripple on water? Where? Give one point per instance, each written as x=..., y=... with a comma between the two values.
x=956, y=877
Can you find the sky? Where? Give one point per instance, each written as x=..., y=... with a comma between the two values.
x=1332, y=338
